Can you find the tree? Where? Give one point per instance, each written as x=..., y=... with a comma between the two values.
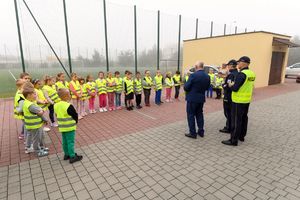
x=125, y=58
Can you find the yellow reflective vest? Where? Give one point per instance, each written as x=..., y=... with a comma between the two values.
x=62, y=85
x=158, y=82
x=51, y=93
x=101, y=85
x=129, y=86
x=112, y=87
x=148, y=81
x=138, y=86
x=119, y=84
x=31, y=120
x=76, y=87
x=84, y=92
x=176, y=79
x=65, y=122
x=41, y=96
x=19, y=96
x=169, y=82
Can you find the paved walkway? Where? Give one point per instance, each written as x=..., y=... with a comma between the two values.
x=160, y=163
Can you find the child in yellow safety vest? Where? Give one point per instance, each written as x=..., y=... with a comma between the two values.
x=138, y=90
x=129, y=91
x=18, y=106
x=34, y=121
x=51, y=96
x=91, y=89
x=111, y=86
x=169, y=85
x=147, y=85
x=83, y=98
x=61, y=82
x=209, y=92
x=177, y=83
x=158, y=83
x=40, y=97
x=102, y=91
x=67, y=122
x=218, y=85
x=76, y=93
x=119, y=90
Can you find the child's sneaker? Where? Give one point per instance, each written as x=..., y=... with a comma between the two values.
x=21, y=137
x=44, y=148
x=85, y=113
x=94, y=111
x=75, y=159
x=91, y=111
x=104, y=109
x=101, y=110
x=29, y=150
x=54, y=124
x=80, y=117
x=42, y=153
x=110, y=109
x=46, y=129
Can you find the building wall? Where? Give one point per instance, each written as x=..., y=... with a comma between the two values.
x=218, y=50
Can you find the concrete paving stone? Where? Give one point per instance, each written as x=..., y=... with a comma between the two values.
x=55, y=195
x=83, y=194
x=42, y=195
x=109, y=193
x=68, y=194
x=78, y=186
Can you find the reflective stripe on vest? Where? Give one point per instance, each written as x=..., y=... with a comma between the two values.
x=129, y=86
x=244, y=94
x=31, y=121
x=110, y=81
x=158, y=82
x=101, y=85
x=84, y=92
x=176, y=80
x=168, y=82
x=148, y=81
x=65, y=122
x=119, y=85
x=18, y=96
x=138, y=85
x=76, y=87
x=51, y=93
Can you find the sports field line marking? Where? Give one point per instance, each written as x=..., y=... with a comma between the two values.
x=145, y=114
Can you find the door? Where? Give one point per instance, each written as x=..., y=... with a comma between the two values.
x=276, y=68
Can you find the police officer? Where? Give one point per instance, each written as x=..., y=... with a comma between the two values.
x=242, y=89
x=231, y=67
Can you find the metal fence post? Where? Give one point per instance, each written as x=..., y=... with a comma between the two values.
x=67, y=36
x=196, y=36
x=158, y=39
x=105, y=31
x=179, y=41
x=245, y=30
x=224, y=29
x=211, y=28
x=235, y=31
x=20, y=37
x=135, y=41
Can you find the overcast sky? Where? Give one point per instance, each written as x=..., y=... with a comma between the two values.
x=86, y=21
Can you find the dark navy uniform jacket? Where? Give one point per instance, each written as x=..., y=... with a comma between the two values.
x=227, y=90
x=196, y=86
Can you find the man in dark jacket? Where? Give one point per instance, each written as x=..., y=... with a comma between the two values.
x=227, y=102
x=195, y=88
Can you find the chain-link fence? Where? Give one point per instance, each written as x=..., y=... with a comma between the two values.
x=102, y=36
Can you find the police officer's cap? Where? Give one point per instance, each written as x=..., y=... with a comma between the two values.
x=244, y=59
x=232, y=62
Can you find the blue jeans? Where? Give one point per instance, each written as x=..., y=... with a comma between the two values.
x=209, y=92
x=158, y=96
x=195, y=111
x=118, y=99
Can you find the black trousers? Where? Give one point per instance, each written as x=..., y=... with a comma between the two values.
x=240, y=121
x=138, y=99
x=51, y=113
x=147, y=93
x=219, y=93
x=227, y=113
x=177, y=88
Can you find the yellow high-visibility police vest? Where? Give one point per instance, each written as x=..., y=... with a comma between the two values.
x=119, y=84
x=51, y=93
x=176, y=78
x=101, y=85
x=148, y=81
x=61, y=85
x=158, y=82
x=138, y=85
x=41, y=97
x=244, y=94
x=76, y=87
x=65, y=122
x=18, y=96
x=129, y=86
x=31, y=121
x=110, y=88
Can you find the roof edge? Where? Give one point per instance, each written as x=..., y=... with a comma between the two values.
x=266, y=32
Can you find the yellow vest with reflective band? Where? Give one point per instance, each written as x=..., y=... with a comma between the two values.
x=18, y=96
x=76, y=87
x=31, y=121
x=110, y=88
x=244, y=94
x=119, y=84
x=176, y=80
x=138, y=85
x=168, y=82
x=84, y=92
x=158, y=82
x=212, y=78
x=41, y=97
x=129, y=85
x=65, y=122
x=219, y=82
x=101, y=85
x=51, y=93
x=92, y=87
x=149, y=82
x=60, y=85
x=186, y=78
